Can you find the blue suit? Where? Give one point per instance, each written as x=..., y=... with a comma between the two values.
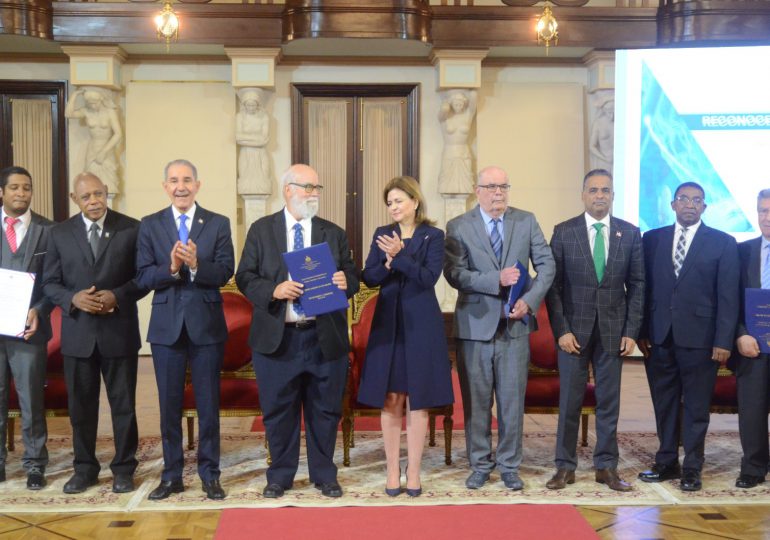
x=407, y=313
x=187, y=323
x=685, y=317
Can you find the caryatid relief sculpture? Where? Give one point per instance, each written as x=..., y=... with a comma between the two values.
x=99, y=112
x=252, y=133
x=456, y=117
x=601, y=144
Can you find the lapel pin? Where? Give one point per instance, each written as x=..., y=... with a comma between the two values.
x=106, y=235
x=200, y=220
x=618, y=234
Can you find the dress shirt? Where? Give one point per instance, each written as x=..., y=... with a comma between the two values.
x=605, y=233
x=21, y=227
x=100, y=222
x=691, y=230
x=763, y=255
x=489, y=223
x=307, y=228
x=190, y=217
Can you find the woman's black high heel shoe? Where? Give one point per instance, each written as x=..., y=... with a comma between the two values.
x=394, y=492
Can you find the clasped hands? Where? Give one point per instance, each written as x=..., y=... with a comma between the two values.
x=95, y=302
x=510, y=276
x=291, y=290
x=390, y=245
x=184, y=254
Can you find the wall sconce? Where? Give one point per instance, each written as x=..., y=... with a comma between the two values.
x=547, y=28
x=167, y=24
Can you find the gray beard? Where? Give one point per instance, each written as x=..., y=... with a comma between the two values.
x=307, y=208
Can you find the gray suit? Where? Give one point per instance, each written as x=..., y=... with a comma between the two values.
x=599, y=315
x=26, y=360
x=493, y=353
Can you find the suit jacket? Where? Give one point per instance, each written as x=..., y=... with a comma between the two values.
x=701, y=306
x=71, y=267
x=195, y=304
x=577, y=298
x=262, y=268
x=749, y=253
x=408, y=311
x=36, y=241
x=472, y=268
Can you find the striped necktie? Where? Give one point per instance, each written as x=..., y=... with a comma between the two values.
x=10, y=232
x=766, y=268
x=679, y=252
x=497, y=240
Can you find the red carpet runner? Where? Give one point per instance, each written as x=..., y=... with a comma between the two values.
x=487, y=522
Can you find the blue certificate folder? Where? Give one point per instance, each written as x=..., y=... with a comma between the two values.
x=517, y=290
x=758, y=317
x=313, y=267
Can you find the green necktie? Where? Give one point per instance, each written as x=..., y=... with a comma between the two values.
x=599, y=262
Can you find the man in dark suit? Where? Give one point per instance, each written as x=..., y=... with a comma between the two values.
x=22, y=248
x=750, y=365
x=595, y=307
x=185, y=254
x=482, y=248
x=300, y=362
x=691, y=310
x=89, y=273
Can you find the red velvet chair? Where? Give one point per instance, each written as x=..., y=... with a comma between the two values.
x=360, y=322
x=542, y=395
x=55, y=399
x=724, y=399
x=238, y=385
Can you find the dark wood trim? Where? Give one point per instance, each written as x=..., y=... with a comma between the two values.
x=57, y=93
x=698, y=22
x=27, y=18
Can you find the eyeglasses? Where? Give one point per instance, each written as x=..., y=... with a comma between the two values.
x=684, y=199
x=494, y=187
x=309, y=188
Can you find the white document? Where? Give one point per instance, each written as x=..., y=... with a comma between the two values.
x=15, y=295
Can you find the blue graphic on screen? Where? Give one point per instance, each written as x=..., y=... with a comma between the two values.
x=669, y=156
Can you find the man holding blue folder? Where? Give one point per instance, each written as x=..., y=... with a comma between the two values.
x=488, y=250
x=595, y=307
x=301, y=361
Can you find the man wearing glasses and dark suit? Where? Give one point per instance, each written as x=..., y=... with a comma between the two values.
x=301, y=362
x=482, y=249
x=691, y=312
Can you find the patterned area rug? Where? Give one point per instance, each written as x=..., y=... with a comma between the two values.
x=244, y=464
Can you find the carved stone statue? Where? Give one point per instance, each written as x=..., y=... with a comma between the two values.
x=252, y=133
x=601, y=145
x=456, y=117
x=99, y=113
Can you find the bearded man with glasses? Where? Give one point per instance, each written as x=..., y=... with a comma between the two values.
x=691, y=312
x=483, y=247
x=301, y=362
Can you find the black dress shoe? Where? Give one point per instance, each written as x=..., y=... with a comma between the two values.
x=690, y=480
x=79, y=483
x=272, y=491
x=123, y=483
x=330, y=489
x=35, y=479
x=213, y=489
x=2, y=474
x=748, y=481
x=660, y=473
x=165, y=489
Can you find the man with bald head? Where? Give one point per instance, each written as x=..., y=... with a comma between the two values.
x=89, y=272
x=482, y=249
x=301, y=362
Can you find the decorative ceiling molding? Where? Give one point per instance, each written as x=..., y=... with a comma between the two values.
x=702, y=22
x=27, y=18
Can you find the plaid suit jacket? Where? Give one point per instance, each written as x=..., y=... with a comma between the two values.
x=577, y=299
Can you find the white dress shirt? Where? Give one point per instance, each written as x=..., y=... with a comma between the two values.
x=100, y=222
x=689, y=235
x=605, y=233
x=21, y=227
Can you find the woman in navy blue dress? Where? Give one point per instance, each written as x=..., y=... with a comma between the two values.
x=407, y=361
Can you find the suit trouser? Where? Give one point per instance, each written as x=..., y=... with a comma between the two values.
x=573, y=376
x=487, y=369
x=296, y=379
x=683, y=378
x=753, y=379
x=83, y=388
x=27, y=363
x=170, y=362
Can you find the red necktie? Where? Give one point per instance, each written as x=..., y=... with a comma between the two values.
x=10, y=232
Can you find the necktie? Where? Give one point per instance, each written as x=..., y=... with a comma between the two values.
x=10, y=232
x=299, y=243
x=766, y=269
x=679, y=252
x=93, y=238
x=184, y=233
x=599, y=251
x=497, y=240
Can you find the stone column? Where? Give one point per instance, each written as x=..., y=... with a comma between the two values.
x=95, y=72
x=601, y=110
